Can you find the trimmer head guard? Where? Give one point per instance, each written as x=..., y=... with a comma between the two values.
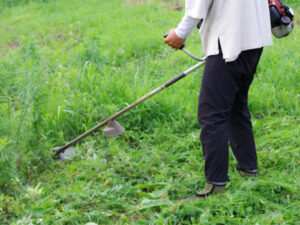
x=113, y=129
x=68, y=154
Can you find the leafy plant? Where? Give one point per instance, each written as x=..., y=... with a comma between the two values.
x=67, y=65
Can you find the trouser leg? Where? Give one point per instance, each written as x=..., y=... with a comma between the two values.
x=240, y=131
x=217, y=94
x=240, y=127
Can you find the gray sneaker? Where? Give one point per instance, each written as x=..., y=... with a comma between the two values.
x=248, y=173
x=209, y=189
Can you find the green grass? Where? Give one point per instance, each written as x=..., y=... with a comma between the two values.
x=67, y=65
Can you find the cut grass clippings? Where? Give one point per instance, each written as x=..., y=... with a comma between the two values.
x=67, y=65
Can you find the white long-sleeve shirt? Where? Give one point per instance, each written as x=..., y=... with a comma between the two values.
x=238, y=24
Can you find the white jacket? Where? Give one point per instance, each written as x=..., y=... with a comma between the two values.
x=238, y=24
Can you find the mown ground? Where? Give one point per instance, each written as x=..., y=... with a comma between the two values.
x=67, y=65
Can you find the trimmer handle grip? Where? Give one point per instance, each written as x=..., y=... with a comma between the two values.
x=199, y=24
x=166, y=35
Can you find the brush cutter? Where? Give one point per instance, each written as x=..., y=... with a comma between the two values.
x=113, y=127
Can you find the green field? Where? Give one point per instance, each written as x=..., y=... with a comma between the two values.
x=66, y=65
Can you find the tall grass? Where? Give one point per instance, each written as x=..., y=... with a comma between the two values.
x=67, y=65
x=12, y=3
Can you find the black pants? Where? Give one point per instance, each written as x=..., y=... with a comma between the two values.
x=224, y=116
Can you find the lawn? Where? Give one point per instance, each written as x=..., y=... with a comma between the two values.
x=66, y=65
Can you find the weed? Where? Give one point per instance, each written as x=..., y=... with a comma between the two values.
x=67, y=65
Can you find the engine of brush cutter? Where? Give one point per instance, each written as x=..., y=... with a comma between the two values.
x=281, y=18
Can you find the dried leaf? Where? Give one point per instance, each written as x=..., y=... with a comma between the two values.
x=108, y=181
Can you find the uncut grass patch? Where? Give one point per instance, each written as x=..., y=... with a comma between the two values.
x=67, y=65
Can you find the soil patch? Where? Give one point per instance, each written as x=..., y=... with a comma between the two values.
x=13, y=44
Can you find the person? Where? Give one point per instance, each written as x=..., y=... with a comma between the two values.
x=233, y=34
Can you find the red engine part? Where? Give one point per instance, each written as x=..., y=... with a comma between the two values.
x=278, y=5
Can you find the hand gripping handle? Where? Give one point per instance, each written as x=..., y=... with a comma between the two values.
x=166, y=35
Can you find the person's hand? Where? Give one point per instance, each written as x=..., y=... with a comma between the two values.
x=173, y=40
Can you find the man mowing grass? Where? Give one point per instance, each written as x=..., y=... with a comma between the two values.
x=233, y=34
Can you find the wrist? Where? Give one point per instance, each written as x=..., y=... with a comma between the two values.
x=180, y=34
